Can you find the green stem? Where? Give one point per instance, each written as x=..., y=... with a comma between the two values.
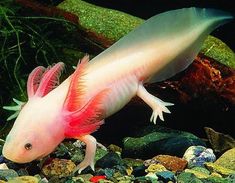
x=44, y=18
x=19, y=57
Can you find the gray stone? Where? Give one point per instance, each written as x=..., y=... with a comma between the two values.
x=198, y=156
x=109, y=160
x=8, y=174
x=159, y=141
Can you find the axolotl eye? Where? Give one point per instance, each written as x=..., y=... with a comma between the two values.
x=28, y=146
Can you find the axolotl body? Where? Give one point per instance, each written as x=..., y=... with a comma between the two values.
x=156, y=50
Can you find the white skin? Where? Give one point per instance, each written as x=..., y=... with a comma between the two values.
x=149, y=54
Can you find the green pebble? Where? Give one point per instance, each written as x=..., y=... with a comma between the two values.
x=201, y=169
x=100, y=153
x=227, y=160
x=7, y=174
x=217, y=180
x=198, y=174
x=219, y=169
x=24, y=179
x=130, y=162
x=187, y=177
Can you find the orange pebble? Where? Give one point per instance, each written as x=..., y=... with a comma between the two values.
x=97, y=178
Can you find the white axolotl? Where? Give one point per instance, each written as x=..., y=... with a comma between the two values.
x=156, y=50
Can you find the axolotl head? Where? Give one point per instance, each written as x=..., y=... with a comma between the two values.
x=37, y=130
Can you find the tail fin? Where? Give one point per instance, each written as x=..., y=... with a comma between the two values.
x=179, y=34
x=200, y=22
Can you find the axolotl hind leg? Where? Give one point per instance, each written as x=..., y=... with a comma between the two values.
x=158, y=106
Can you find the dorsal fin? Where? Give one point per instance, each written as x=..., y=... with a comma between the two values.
x=76, y=88
x=50, y=79
x=87, y=119
x=34, y=79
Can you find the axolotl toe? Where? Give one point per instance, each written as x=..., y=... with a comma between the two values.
x=156, y=50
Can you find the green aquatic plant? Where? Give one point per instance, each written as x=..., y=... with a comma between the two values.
x=28, y=40
x=23, y=39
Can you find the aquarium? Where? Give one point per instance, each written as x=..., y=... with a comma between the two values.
x=106, y=91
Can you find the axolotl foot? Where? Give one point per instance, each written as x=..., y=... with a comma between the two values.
x=158, y=106
x=84, y=164
x=158, y=110
x=90, y=142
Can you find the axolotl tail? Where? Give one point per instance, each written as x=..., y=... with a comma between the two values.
x=163, y=45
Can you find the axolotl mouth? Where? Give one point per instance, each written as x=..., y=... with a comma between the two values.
x=20, y=160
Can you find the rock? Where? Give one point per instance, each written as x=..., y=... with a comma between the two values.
x=78, y=156
x=215, y=174
x=154, y=168
x=97, y=178
x=227, y=160
x=198, y=155
x=121, y=169
x=3, y=166
x=22, y=172
x=24, y=179
x=85, y=177
x=8, y=174
x=201, y=169
x=166, y=176
x=129, y=170
x=148, y=162
x=198, y=174
x=186, y=177
x=125, y=179
x=160, y=141
x=171, y=163
x=59, y=168
x=100, y=153
x=114, y=148
x=219, y=141
x=1, y=156
x=105, y=181
x=109, y=160
x=217, y=180
x=108, y=172
x=74, y=179
x=139, y=171
x=143, y=179
x=219, y=169
x=152, y=176
x=231, y=177
x=133, y=162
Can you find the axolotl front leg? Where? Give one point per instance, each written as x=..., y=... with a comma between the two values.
x=91, y=143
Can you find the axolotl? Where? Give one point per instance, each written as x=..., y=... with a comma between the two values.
x=156, y=50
